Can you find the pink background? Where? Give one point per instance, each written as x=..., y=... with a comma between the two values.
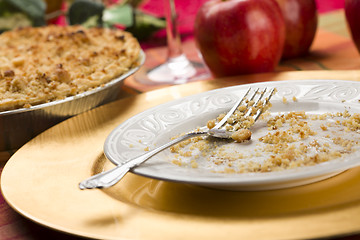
x=186, y=10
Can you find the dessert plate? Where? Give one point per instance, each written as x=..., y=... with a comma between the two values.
x=158, y=125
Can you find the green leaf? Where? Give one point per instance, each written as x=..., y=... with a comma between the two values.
x=140, y=24
x=10, y=21
x=147, y=19
x=6, y=8
x=119, y=14
x=81, y=10
x=146, y=25
x=91, y=22
x=35, y=9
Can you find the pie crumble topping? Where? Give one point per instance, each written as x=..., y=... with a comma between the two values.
x=39, y=65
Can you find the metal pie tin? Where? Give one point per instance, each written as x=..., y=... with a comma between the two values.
x=21, y=125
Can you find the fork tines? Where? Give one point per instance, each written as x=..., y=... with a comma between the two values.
x=258, y=102
x=253, y=106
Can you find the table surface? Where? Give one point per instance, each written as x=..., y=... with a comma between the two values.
x=333, y=56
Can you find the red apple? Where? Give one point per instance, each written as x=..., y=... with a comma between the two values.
x=352, y=13
x=301, y=24
x=240, y=36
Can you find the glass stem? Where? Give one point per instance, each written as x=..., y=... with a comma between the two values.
x=173, y=35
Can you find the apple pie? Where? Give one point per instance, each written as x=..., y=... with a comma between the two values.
x=39, y=65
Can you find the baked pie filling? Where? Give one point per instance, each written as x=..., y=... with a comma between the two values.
x=39, y=65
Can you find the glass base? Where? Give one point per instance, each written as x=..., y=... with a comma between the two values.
x=177, y=70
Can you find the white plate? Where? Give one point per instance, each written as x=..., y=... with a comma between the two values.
x=157, y=125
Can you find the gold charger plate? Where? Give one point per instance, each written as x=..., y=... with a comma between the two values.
x=40, y=181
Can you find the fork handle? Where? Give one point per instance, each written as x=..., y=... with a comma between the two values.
x=109, y=178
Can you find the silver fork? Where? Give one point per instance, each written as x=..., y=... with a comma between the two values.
x=109, y=178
